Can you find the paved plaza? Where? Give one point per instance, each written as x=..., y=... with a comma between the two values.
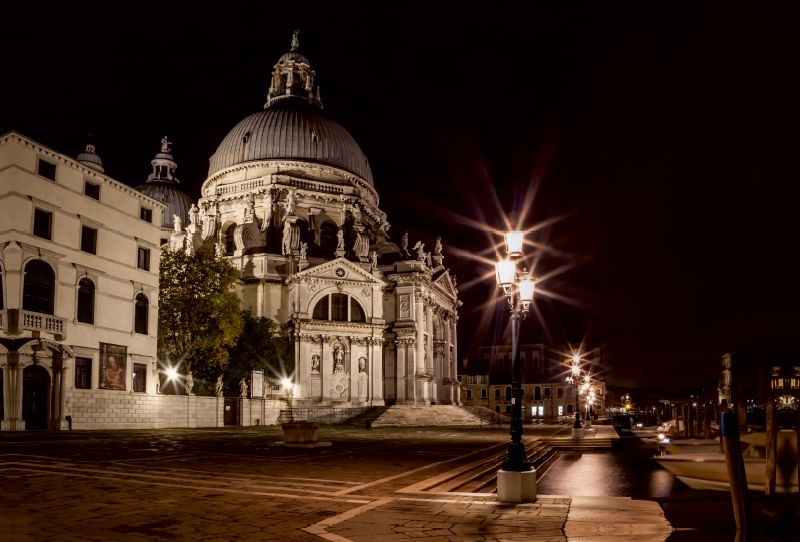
x=234, y=484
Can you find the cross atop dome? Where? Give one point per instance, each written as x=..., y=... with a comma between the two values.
x=292, y=77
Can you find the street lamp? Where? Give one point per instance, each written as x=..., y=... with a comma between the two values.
x=516, y=481
x=577, y=430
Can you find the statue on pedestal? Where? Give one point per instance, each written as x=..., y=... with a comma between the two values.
x=303, y=250
x=362, y=364
x=249, y=209
x=338, y=360
x=165, y=144
x=438, y=248
x=373, y=262
x=340, y=239
x=267, y=210
x=404, y=245
x=189, y=383
x=420, y=248
x=218, y=387
x=243, y=389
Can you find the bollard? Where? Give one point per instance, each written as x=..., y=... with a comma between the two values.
x=733, y=459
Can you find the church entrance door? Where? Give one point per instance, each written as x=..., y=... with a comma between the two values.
x=35, y=388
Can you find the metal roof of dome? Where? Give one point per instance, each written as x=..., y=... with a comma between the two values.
x=291, y=128
x=295, y=56
x=168, y=193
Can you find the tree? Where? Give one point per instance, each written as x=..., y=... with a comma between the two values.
x=259, y=348
x=199, y=315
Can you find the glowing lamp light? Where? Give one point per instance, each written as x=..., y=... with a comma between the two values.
x=526, y=286
x=514, y=240
x=576, y=359
x=661, y=437
x=172, y=374
x=287, y=384
x=506, y=274
x=585, y=386
x=575, y=370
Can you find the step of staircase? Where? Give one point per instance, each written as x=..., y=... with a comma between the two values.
x=426, y=415
x=370, y=415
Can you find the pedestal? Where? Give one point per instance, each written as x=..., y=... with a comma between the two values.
x=577, y=433
x=587, y=422
x=516, y=486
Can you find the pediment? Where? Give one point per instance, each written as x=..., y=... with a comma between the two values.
x=445, y=282
x=338, y=270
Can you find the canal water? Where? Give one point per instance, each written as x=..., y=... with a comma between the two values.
x=629, y=471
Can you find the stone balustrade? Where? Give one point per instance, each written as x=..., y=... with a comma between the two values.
x=34, y=321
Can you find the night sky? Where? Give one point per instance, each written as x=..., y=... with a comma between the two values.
x=660, y=141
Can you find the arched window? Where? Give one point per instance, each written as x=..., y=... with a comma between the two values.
x=86, y=301
x=356, y=312
x=327, y=237
x=537, y=393
x=37, y=294
x=508, y=393
x=335, y=307
x=230, y=244
x=140, y=315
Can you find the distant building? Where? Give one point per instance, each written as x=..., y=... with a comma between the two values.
x=79, y=258
x=759, y=370
x=547, y=393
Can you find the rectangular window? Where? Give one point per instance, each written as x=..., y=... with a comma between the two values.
x=339, y=307
x=92, y=190
x=164, y=242
x=541, y=411
x=469, y=394
x=146, y=214
x=42, y=222
x=143, y=260
x=547, y=392
x=508, y=409
x=47, y=170
x=483, y=394
x=139, y=377
x=560, y=392
x=88, y=240
x=497, y=408
x=83, y=373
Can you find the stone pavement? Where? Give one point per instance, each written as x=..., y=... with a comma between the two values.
x=229, y=484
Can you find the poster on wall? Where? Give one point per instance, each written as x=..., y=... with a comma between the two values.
x=113, y=366
x=257, y=389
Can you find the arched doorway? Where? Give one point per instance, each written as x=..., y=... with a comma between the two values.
x=35, y=388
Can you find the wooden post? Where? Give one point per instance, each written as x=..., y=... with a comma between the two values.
x=741, y=412
x=707, y=421
x=723, y=407
x=683, y=417
x=735, y=464
x=699, y=422
x=690, y=420
x=772, y=437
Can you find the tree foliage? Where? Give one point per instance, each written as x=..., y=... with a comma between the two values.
x=259, y=348
x=199, y=315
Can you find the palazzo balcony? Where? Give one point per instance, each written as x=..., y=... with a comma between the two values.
x=14, y=322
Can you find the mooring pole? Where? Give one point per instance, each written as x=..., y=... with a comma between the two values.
x=772, y=436
x=738, y=481
x=707, y=423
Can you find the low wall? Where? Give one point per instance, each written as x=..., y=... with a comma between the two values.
x=107, y=409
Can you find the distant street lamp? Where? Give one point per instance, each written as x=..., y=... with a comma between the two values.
x=577, y=429
x=516, y=481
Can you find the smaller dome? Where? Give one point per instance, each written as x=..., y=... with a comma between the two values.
x=295, y=56
x=90, y=159
x=168, y=193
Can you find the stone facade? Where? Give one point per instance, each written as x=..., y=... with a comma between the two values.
x=79, y=267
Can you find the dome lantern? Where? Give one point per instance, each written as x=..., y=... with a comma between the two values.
x=292, y=76
x=90, y=159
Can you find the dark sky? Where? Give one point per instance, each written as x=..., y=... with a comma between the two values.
x=663, y=136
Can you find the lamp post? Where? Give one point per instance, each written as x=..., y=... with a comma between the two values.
x=577, y=429
x=516, y=481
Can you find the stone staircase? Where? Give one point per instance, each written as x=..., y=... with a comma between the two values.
x=372, y=414
x=428, y=415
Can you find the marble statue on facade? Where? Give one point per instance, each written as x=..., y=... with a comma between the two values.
x=315, y=363
x=189, y=383
x=338, y=360
x=420, y=248
x=438, y=247
x=362, y=364
x=249, y=209
x=218, y=387
x=194, y=215
x=291, y=203
x=286, y=243
x=303, y=250
x=178, y=223
x=219, y=250
x=373, y=261
x=356, y=214
x=404, y=245
x=243, y=389
x=428, y=261
x=340, y=239
x=267, y=204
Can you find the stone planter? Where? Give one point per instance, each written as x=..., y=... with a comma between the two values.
x=300, y=432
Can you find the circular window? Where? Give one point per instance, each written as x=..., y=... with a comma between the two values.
x=340, y=272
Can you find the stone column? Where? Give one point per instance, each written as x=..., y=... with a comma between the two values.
x=55, y=399
x=454, y=362
x=400, y=371
x=6, y=396
x=20, y=423
x=430, y=368
x=420, y=354
x=447, y=385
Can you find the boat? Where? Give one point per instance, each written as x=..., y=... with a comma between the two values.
x=710, y=471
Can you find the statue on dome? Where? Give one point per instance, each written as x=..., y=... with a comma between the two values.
x=420, y=248
x=267, y=210
x=295, y=40
x=165, y=144
x=404, y=245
